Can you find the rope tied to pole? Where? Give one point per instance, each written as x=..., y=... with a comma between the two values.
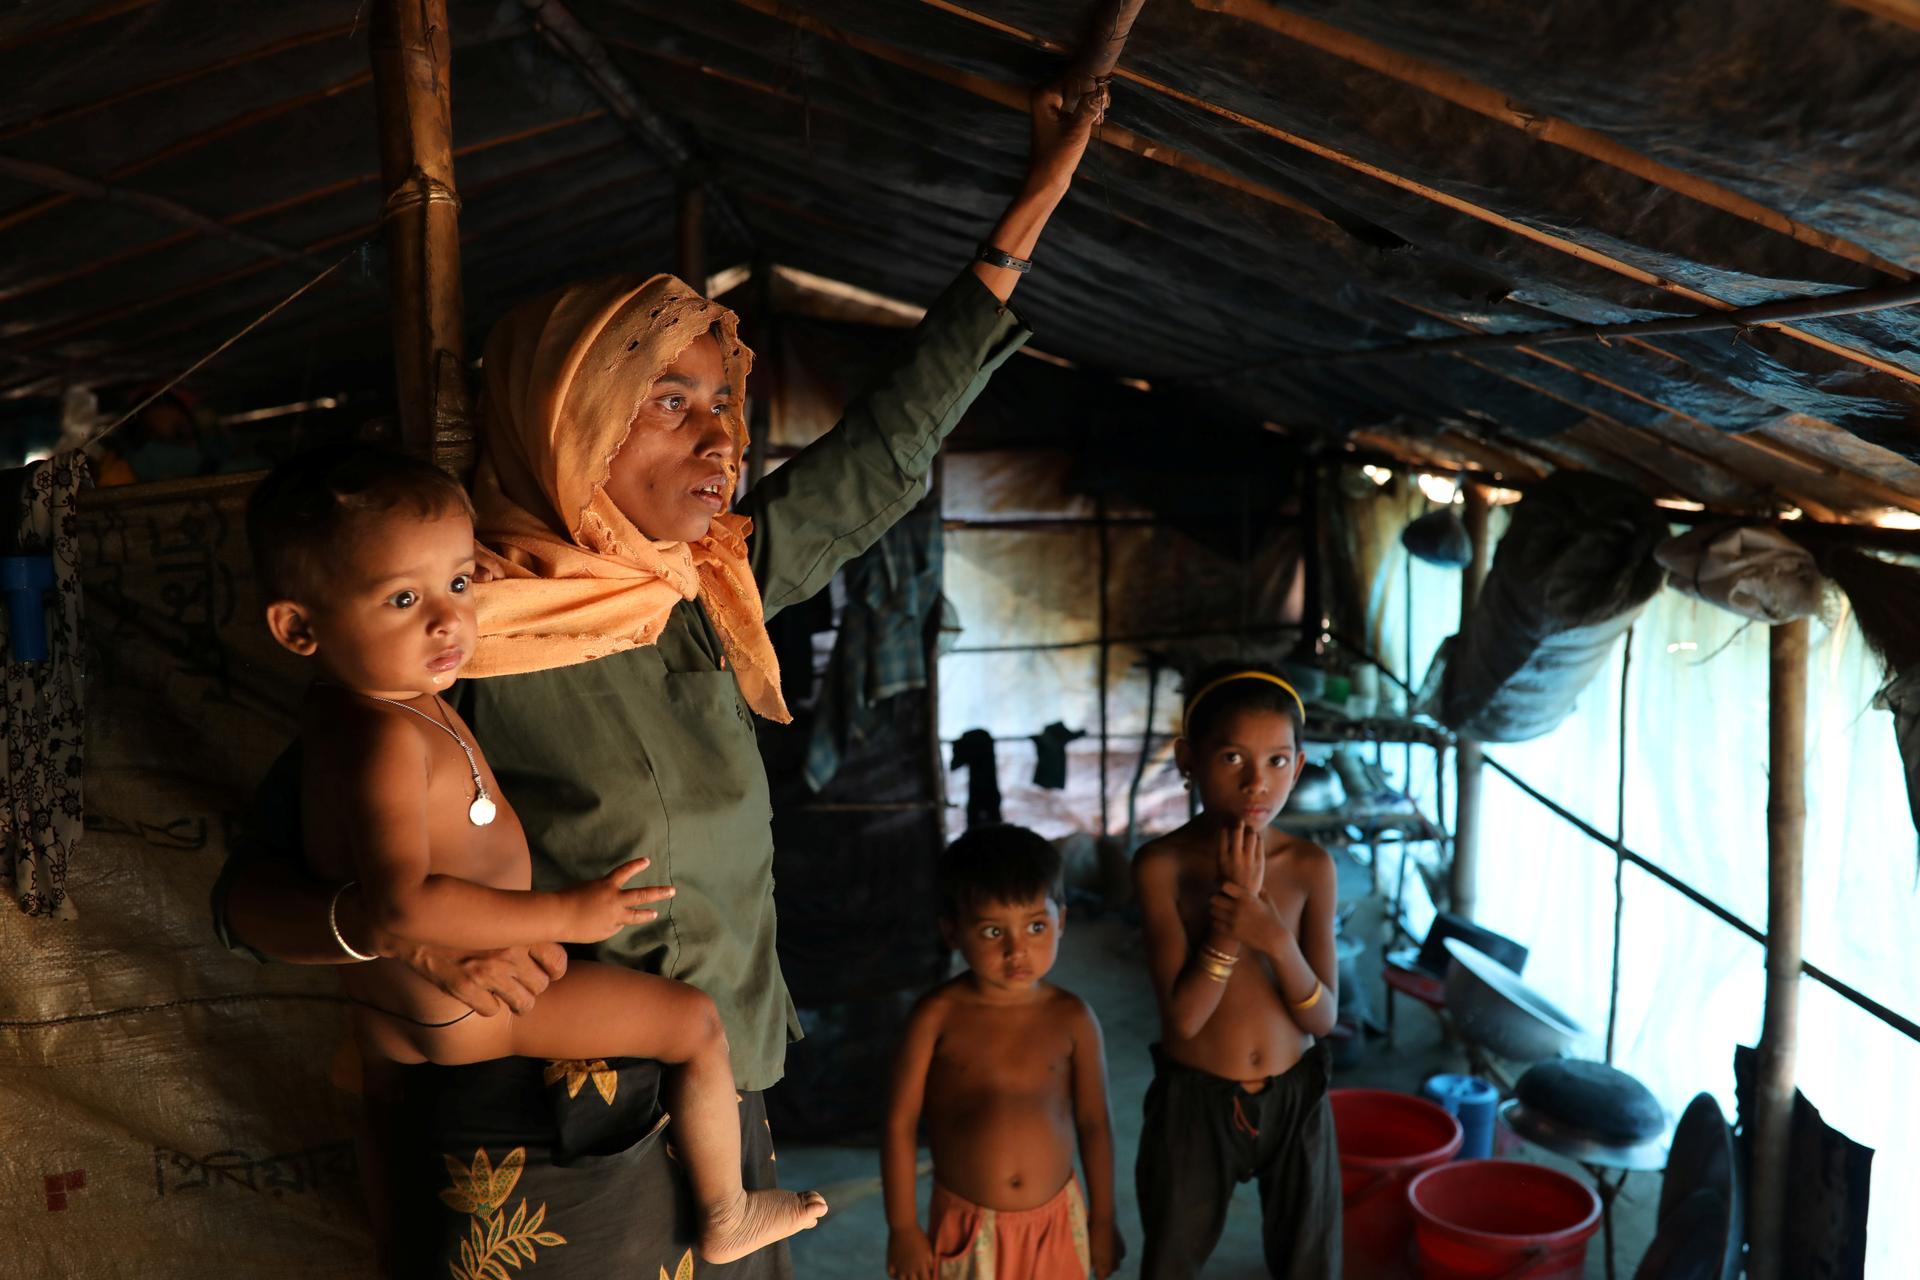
x=419, y=189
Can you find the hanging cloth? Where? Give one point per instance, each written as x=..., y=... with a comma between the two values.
x=973, y=751
x=40, y=808
x=1050, y=755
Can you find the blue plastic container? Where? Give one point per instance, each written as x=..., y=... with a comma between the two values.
x=1474, y=1103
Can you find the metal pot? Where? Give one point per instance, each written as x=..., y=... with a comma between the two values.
x=1492, y=1007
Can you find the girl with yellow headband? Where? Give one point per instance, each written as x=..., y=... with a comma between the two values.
x=1239, y=932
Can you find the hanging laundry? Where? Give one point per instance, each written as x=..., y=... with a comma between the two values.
x=40, y=811
x=1050, y=760
x=973, y=751
x=893, y=590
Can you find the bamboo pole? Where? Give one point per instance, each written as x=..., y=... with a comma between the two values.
x=1779, y=1029
x=1462, y=893
x=412, y=63
x=689, y=236
x=1107, y=30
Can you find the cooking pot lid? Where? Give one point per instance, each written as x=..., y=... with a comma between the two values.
x=1592, y=1096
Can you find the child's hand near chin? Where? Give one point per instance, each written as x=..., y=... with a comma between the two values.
x=909, y=1254
x=1243, y=857
x=1109, y=1250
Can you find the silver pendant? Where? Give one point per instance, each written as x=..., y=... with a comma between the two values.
x=482, y=810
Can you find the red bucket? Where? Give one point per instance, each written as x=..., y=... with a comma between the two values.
x=1501, y=1220
x=1385, y=1140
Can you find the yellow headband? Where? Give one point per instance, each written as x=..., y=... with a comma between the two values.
x=1208, y=688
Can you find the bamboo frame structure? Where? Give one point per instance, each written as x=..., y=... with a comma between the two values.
x=339, y=31
x=1481, y=213
x=1464, y=870
x=567, y=36
x=1779, y=1030
x=1487, y=101
x=412, y=59
x=193, y=142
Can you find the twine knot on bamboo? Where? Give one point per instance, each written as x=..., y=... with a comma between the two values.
x=418, y=189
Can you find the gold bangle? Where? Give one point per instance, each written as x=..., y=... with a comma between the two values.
x=1319, y=989
x=1214, y=969
x=1219, y=955
x=333, y=923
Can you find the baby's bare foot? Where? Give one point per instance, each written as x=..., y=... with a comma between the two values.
x=756, y=1219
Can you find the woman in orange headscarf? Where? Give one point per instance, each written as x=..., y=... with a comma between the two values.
x=623, y=618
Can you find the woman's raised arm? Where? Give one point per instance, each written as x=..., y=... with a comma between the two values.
x=835, y=499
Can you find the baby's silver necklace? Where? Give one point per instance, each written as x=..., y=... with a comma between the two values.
x=482, y=810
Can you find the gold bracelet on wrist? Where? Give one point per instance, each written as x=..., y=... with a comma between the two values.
x=1319, y=989
x=1217, y=954
x=333, y=922
x=1213, y=968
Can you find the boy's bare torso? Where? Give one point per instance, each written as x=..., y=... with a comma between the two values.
x=999, y=1096
x=333, y=733
x=1251, y=1035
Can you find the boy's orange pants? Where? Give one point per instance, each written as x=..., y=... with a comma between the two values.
x=1046, y=1243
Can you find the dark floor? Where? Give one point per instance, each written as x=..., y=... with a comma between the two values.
x=1099, y=961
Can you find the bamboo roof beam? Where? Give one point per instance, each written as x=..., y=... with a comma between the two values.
x=1544, y=238
x=33, y=338
x=340, y=30
x=671, y=142
x=1014, y=98
x=112, y=9
x=1870, y=485
x=1494, y=105
x=193, y=142
x=74, y=184
x=1660, y=443
x=1904, y=12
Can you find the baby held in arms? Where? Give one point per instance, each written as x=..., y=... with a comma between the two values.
x=365, y=558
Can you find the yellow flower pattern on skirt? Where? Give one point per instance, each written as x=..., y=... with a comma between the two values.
x=494, y=1241
x=682, y=1272
x=577, y=1071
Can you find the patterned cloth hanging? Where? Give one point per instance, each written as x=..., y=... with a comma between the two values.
x=40, y=811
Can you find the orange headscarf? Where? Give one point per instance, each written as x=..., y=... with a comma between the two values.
x=566, y=577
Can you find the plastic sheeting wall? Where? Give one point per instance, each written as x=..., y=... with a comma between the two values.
x=167, y=1106
x=1028, y=652
x=1691, y=988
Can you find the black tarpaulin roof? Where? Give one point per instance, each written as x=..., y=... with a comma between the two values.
x=1277, y=182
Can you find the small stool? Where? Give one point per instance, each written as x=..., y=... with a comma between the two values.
x=1593, y=1114
x=1403, y=976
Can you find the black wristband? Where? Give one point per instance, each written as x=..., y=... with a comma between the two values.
x=996, y=258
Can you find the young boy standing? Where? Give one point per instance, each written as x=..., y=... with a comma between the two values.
x=1011, y=1076
x=1239, y=932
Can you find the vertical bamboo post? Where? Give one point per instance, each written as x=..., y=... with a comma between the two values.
x=690, y=240
x=761, y=388
x=412, y=51
x=1462, y=889
x=1779, y=1029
